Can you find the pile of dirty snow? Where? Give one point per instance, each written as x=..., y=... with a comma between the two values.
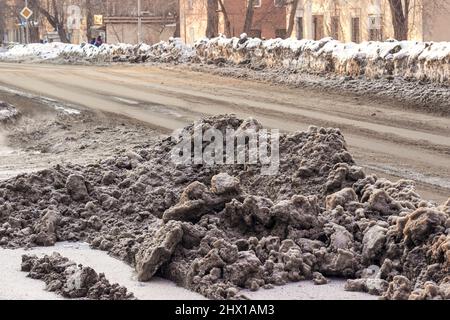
x=218, y=229
x=172, y=50
x=7, y=112
x=408, y=60
x=70, y=280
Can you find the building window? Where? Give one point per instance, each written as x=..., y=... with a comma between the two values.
x=375, y=28
x=280, y=33
x=256, y=3
x=255, y=33
x=299, y=27
x=356, y=26
x=335, y=27
x=318, y=27
x=192, y=34
x=279, y=3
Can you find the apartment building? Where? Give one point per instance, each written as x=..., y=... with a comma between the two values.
x=370, y=20
x=158, y=21
x=269, y=19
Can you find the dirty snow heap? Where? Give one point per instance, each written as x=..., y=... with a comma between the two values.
x=410, y=60
x=218, y=229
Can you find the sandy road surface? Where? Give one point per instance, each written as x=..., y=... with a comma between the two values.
x=384, y=138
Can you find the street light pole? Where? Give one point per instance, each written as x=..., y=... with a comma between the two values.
x=139, y=31
x=27, y=29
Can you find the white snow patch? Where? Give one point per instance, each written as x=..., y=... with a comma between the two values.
x=7, y=113
x=127, y=101
x=174, y=49
x=65, y=109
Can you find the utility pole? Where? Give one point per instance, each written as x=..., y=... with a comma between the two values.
x=27, y=28
x=139, y=31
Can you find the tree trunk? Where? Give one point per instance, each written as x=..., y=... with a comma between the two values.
x=400, y=18
x=2, y=20
x=212, y=26
x=249, y=17
x=177, y=32
x=291, y=22
x=226, y=19
x=55, y=20
x=34, y=34
x=62, y=33
x=89, y=20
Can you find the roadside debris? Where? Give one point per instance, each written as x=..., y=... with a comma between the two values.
x=66, y=278
x=218, y=229
x=7, y=112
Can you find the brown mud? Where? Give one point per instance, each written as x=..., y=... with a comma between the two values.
x=218, y=229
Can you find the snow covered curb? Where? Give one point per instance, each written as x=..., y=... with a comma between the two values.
x=173, y=50
x=406, y=59
x=423, y=61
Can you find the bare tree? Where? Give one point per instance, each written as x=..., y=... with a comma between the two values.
x=54, y=12
x=291, y=21
x=212, y=25
x=402, y=10
x=226, y=19
x=9, y=15
x=3, y=15
x=89, y=19
x=400, y=18
x=249, y=16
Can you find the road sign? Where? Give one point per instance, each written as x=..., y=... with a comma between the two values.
x=98, y=20
x=26, y=13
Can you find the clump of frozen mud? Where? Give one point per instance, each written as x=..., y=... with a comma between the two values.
x=217, y=229
x=66, y=278
x=7, y=112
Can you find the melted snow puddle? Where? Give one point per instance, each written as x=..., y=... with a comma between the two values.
x=15, y=285
x=49, y=101
x=126, y=101
x=162, y=109
x=408, y=174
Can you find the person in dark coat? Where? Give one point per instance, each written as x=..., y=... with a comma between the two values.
x=99, y=41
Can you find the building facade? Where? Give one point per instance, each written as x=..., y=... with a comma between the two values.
x=158, y=21
x=269, y=19
x=370, y=20
x=39, y=28
x=119, y=21
x=345, y=20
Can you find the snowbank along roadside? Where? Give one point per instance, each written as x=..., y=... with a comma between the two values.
x=410, y=60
